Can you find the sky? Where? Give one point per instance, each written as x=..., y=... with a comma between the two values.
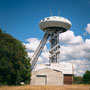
x=20, y=18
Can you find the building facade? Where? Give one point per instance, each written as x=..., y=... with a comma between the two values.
x=52, y=74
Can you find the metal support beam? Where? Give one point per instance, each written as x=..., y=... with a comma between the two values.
x=54, y=51
x=39, y=49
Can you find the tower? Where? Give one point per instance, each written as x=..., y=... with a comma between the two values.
x=53, y=73
x=52, y=26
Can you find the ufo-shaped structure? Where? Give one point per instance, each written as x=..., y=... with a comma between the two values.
x=54, y=22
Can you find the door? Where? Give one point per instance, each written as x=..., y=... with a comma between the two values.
x=41, y=80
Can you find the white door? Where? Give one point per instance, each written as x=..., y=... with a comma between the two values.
x=41, y=80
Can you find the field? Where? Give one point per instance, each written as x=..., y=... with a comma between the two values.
x=28, y=87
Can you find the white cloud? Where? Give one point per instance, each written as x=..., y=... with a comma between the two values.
x=88, y=28
x=45, y=56
x=80, y=66
x=84, y=34
x=32, y=44
x=75, y=51
x=40, y=59
x=69, y=38
x=78, y=53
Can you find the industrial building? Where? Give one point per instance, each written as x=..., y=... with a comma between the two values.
x=54, y=74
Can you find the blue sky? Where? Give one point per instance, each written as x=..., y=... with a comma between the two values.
x=20, y=18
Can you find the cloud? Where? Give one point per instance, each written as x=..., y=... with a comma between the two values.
x=88, y=28
x=84, y=34
x=32, y=44
x=80, y=66
x=40, y=59
x=45, y=56
x=69, y=38
x=75, y=50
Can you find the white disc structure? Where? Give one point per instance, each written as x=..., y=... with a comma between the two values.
x=54, y=21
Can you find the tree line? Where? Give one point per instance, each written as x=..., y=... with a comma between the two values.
x=85, y=79
x=14, y=61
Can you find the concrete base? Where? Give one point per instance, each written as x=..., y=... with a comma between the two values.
x=47, y=76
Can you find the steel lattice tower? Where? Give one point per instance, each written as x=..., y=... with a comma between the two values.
x=52, y=26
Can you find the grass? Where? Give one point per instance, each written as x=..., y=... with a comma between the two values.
x=28, y=87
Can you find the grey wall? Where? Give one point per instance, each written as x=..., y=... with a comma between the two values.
x=47, y=76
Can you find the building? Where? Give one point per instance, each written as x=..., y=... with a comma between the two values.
x=54, y=74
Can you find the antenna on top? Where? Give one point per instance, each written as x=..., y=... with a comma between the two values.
x=58, y=12
x=50, y=11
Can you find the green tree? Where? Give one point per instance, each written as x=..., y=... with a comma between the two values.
x=14, y=62
x=77, y=79
x=86, y=77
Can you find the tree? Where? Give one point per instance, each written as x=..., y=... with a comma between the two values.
x=86, y=77
x=14, y=62
x=78, y=79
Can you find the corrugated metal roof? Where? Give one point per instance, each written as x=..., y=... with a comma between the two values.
x=64, y=68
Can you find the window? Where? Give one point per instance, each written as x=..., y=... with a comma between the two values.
x=43, y=19
x=41, y=75
x=48, y=18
